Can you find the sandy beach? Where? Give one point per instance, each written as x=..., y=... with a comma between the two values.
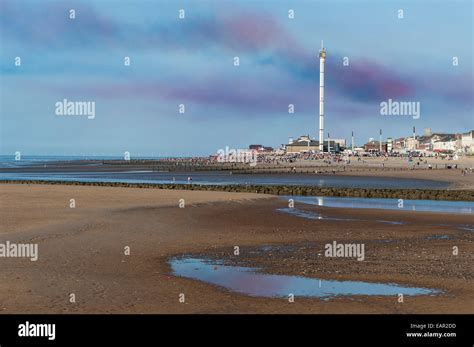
x=454, y=177
x=391, y=167
x=81, y=251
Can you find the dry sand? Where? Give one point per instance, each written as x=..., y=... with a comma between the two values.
x=81, y=251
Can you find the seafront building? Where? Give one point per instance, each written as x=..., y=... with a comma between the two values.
x=467, y=142
x=374, y=146
x=429, y=142
x=307, y=144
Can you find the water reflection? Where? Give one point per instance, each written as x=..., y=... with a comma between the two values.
x=249, y=281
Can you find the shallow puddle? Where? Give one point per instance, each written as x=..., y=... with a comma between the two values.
x=249, y=281
x=393, y=222
x=312, y=215
x=439, y=237
x=466, y=228
x=318, y=216
x=463, y=207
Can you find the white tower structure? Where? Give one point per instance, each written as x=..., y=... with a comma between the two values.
x=352, y=141
x=322, y=58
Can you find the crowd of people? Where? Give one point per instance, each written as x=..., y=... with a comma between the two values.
x=414, y=159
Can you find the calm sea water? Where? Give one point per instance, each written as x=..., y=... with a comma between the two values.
x=9, y=161
x=41, y=168
x=225, y=178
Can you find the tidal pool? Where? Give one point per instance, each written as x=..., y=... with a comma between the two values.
x=249, y=281
x=318, y=216
x=462, y=207
x=312, y=215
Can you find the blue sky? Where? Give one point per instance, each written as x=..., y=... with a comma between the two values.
x=190, y=61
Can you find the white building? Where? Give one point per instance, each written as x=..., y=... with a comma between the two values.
x=340, y=142
x=389, y=144
x=467, y=142
x=449, y=145
x=411, y=143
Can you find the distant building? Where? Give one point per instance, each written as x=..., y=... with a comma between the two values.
x=429, y=142
x=443, y=142
x=302, y=144
x=411, y=143
x=334, y=145
x=424, y=143
x=374, y=146
x=306, y=144
x=467, y=142
x=399, y=144
x=389, y=144
x=445, y=146
x=340, y=142
x=261, y=148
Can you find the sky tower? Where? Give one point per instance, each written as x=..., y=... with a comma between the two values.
x=322, y=58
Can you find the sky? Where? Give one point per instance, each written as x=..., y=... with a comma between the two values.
x=190, y=61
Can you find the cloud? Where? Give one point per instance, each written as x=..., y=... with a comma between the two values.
x=48, y=26
x=264, y=41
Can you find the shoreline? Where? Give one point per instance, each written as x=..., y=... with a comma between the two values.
x=411, y=194
x=459, y=175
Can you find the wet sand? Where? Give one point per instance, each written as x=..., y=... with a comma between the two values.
x=81, y=251
x=452, y=176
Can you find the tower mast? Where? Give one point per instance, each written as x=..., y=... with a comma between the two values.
x=322, y=58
